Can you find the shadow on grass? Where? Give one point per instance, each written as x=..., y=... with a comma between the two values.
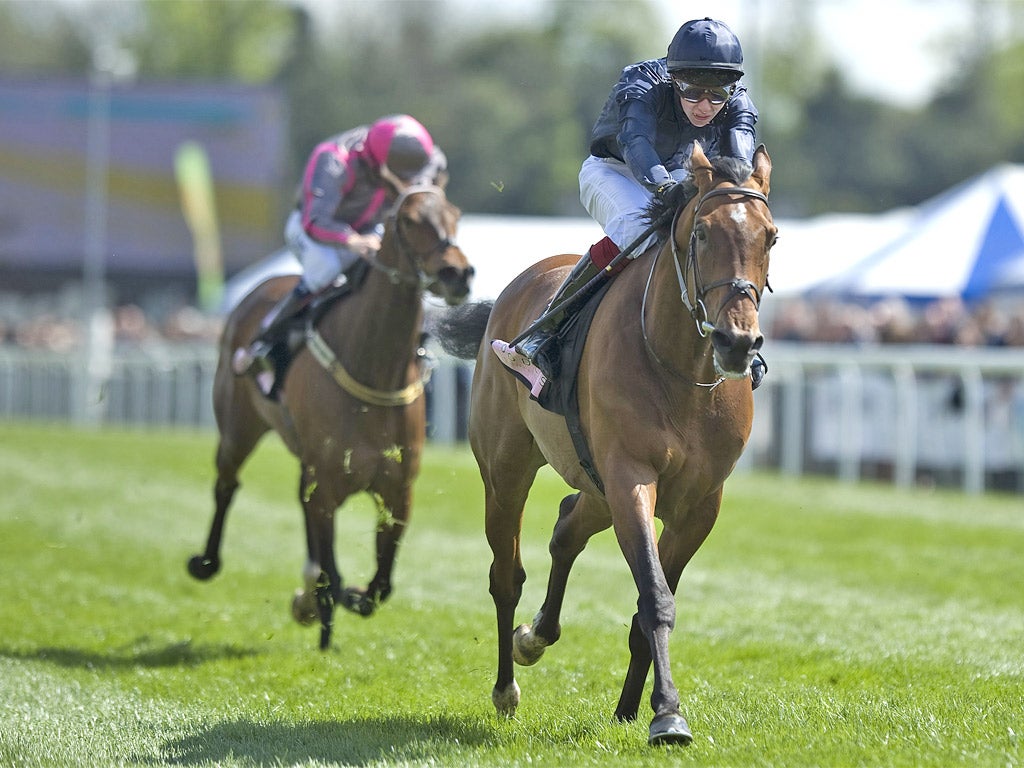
x=359, y=741
x=140, y=653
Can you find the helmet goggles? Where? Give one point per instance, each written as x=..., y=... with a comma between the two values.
x=694, y=93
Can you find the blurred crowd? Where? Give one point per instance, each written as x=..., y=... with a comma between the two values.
x=895, y=320
x=52, y=329
x=951, y=321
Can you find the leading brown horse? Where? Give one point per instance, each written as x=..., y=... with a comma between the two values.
x=351, y=407
x=666, y=406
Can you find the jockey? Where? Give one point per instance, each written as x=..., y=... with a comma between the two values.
x=639, y=148
x=348, y=181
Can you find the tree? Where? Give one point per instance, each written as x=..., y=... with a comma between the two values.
x=513, y=103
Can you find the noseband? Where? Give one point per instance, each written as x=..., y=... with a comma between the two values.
x=737, y=286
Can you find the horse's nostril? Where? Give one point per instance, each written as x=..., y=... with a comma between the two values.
x=721, y=340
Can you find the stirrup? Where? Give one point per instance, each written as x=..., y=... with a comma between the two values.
x=521, y=367
x=245, y=359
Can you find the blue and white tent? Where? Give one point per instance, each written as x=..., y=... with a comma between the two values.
x=967, y=242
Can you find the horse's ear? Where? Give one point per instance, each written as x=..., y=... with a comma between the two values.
x=762, y=169
x=700, y=167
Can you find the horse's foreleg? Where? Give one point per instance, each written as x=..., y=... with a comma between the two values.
x=392, y=519
x=636, y=674
x=575, y=525
x=677, y=546
x=329, y=588
x=322, y=583
x=633, y=519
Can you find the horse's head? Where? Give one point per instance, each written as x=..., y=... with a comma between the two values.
x=424, y=225
x=721, y=243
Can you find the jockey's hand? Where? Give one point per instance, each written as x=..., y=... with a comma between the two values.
x=364, y=245
x=671, y=192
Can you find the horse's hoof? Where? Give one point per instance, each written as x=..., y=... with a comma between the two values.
x=669, y=729
x=304, y=608
x=506, y=699
x=357, y=601
x=202, y=568
x=527, y=647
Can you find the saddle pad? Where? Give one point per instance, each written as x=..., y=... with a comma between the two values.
x=561, y=357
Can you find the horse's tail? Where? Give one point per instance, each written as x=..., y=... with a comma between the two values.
x=461, y=329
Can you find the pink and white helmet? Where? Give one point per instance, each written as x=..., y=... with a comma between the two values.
x=401, y=144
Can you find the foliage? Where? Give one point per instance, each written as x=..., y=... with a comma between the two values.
x=248, y=41
x=513, y=103
x=821, y=624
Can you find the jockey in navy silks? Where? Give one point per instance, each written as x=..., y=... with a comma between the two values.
x=639, y=149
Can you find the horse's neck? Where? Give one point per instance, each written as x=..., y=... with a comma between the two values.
x=377, y=328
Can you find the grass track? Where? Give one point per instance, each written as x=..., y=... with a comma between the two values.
x=821, y=624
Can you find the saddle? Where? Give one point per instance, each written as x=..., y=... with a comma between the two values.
x=293, y=336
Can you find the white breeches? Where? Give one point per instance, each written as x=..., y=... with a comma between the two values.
x=615, y=200
x=321, y=264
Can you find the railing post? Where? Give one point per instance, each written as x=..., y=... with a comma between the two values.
x=974, y=430
x=905, y=459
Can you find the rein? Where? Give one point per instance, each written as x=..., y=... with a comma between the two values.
x=325, y=356
x=739, y=286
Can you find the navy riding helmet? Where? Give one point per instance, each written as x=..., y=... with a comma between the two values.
x=705, y=52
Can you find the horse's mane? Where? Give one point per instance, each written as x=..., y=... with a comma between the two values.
x=732, y=169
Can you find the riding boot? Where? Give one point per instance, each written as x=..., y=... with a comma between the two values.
x=521, y=358
x=275, y=321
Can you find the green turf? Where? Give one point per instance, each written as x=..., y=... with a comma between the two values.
x=821, y=624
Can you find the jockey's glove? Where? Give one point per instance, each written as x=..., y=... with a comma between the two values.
x=671, y=192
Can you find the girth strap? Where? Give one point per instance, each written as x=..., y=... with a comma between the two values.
x=326, y=357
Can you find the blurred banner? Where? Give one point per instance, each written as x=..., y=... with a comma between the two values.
x=242, y=131
x=195, y=183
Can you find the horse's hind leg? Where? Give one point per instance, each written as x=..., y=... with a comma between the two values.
x=231, y=453
x=577, y=521
x=204, y=566
x=503, y=523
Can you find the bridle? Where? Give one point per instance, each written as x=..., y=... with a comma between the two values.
x=698, y=310
x=738, y=286
x=419, y=279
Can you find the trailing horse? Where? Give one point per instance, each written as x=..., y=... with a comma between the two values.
x=665, y=407
x=350, y=407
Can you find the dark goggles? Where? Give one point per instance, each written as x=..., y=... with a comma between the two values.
x=695, y=93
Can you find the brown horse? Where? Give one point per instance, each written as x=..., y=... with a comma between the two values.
x=666, y=407
x=351, y=407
